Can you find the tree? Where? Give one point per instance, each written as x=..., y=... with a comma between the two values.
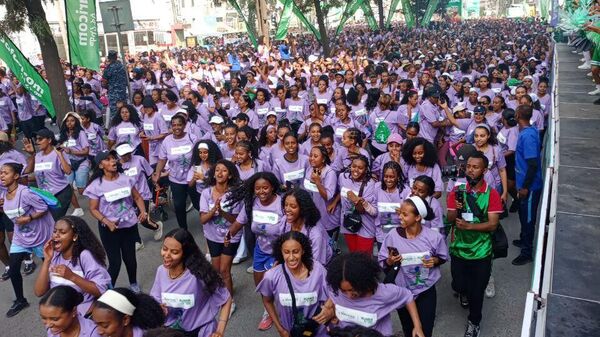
x=381, y=14
x=321, y=12
x=18, y=13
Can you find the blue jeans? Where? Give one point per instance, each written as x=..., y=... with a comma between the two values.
x=528, y=208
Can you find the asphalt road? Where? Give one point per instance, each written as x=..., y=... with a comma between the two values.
x=502, y=315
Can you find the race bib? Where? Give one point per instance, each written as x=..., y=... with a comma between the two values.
x=3, y=103
x=468, y=217
x=302, y=299
x=293, y=175
x=183, y=301
x=296, y=108
x=70, y=143
x=132, y=172
x=117, y=194
x=339, y=132
x=19, y=101
x=14, y=213
x=54, y=278
x=167, y=118
x=360, y=112
x=310, y=186
x=43, y=166
x=387, y=207
x=91, y=136
x=496, y=90
x=126, y=131
x=322, y=101
x=148, y=127
x=501, y=138
x=365, y=319
x=181, y=149
x=280, y=110
x=262, y=111
x=344, y=192
x=457, y=131
x=411, y=259
x=265, y=217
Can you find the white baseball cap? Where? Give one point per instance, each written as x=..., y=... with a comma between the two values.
x=124, y=149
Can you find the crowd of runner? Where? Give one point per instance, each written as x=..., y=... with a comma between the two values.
x=279, y=150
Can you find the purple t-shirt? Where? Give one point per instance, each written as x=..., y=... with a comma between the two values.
x=154, y=126
x=438, y=221
x=24, y=107
x=310, y=294
x=372, y=311
x=343, y=158
x=257, y=166
x=216, y=228
x=387, y=203
x=329, y=182
x=293, y=172
x=25, y=202
x=319, y=240
x=495, y=156
x=115, y=199
x=391, y=119
x=346, y=184
x=188, y=302
x=77, y=144
x=429, y=114
x=125, y=132
x=267, y=222
x=507, y=138
x=434, y=173
x=178, y=153
x=6, y=109
x=88, y=268
x=48, y=172
x=94, y=135
x=413, y=275
x=87, y=328
x=139, y=169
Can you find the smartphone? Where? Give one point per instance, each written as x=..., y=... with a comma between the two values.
x=393, y=251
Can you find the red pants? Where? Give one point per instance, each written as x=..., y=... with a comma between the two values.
x=357, y=243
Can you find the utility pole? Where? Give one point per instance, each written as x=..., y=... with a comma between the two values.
x=118, y=25
x=263, y=21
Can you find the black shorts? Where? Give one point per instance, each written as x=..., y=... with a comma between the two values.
x=510, y=167
x=217, y=249
x=5, y=224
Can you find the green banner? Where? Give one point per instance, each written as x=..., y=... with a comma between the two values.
x=391, y=13
x=454, y=8
x=82, y=30
x=369, y=16
x=305, y=22
x=351, y=8
x=431, y=7
x=284, y=22
x=31, y=80
x=409, y=16
x=237, y=8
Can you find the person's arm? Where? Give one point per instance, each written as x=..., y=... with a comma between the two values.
x=139, y=202
x=504, y=180
x=223, y=318
x=159, y=168
x=270, y=307
x=94, y=204
x=64, y=164
x=411, y=307
x=489, y=226
x=42, y=282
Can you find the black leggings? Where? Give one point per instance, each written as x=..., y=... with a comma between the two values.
x=15, y=260
x=64, y=197
x=118, y=245
x=426, y=304
x=180, y=193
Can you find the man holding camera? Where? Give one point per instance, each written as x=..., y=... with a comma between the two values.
x=475, y=209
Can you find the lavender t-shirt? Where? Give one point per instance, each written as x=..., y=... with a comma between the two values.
x=139, y=169
x=310, y=294
x=94, y=135
x=292, y=172
x=319, y=240
x=48, y=172
x=125, y=132
x=433, y=172
x=87, y=328
x=413, y=275
x=188, y=302
x=25, y=202
x=346, y=184
x=216, y=228
x=154, y=126
x=387, y=203
x=266, y=223
x=329, y=182
x=115, y=199
x=178, y=153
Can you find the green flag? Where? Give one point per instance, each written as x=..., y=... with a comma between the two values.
x=393, y=7
x=237, y=8
x=305, y=22
x=431, y=7
x=409, y=16
x=284, y=22
x=351, y=8
x=31, y=80
x=369, y=16
x=82, y=31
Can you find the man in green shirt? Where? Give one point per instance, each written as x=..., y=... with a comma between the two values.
x=474, y=209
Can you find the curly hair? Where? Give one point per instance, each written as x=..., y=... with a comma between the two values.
x=303, y=240
x=234, y=174
x=148, y=313
x=265, y=93
x=263, y=138
x=398, y=169
x=430, y=157
x=308, y=210
x=245, y=192
x=5, y=146
x=324, y=154
x=64, y=133
x=214, y=152
x=359, y=269
x=356, y=135
x=372, y=98
x=364, y=159
x=134, y=117
x=86, y=240
x=194, y=261
x=192, y=112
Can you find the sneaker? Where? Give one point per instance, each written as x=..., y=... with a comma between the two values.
x=514, y=207
x=490, y=290
x=522, y=259
x=472, y=330
x=159, y=232
x=6, y=275
x=517, y=243
x=585, y=66
x=589, y=74
x=208, y=257
x=250, y=270
x=29, y=268
x=139, y=246
x=464, y=301
x=595, y=92
x=17, y=307
x=189, y=208
x=135, y=288
x=77, y=212
x=597, y=102
x=233, y=307
x=265, y=323
x=239, y=259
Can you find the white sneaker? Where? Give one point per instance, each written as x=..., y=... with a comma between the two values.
x=189, y=208
x=233, y=307
x=78, y=212
x=135, y=288
x=159, y=232
x=139, y=246
x=585, y=66
x=589, y=74
x=207, y=256
x=239, y=259
x=582, y=59
x=490, y=290
x=250, y=270
x=595, y=92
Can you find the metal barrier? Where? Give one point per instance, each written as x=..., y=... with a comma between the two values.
x=534, y=317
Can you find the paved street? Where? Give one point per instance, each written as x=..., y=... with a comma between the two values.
x=502, y=314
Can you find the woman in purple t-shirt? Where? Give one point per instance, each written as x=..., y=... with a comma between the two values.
x=74, y=257
x=424, y=187
x=360, y=299
x=112, y=196
x=126, y=127
x=245, y=159
x=120, y=312
x=415, y=253
x=59, y=314
x=296, y=268
x=389, y=197
x=204, y=157
x=190, y=291
x=290, y=167
x=419, y=156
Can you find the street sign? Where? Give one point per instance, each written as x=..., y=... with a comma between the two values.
x=116, y=16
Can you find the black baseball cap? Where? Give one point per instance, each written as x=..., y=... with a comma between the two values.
x=44, y=133
x=104, y=154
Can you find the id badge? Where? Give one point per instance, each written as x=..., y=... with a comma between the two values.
x=467, y=217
